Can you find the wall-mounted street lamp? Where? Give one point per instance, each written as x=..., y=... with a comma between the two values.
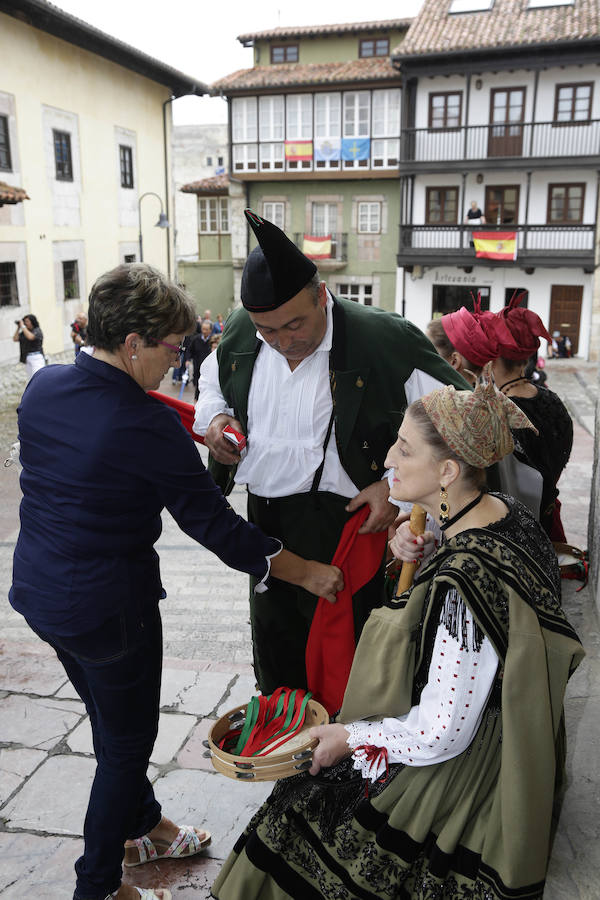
x=163, y=222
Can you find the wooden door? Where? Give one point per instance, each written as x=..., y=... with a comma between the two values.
x=507, y=111
x=502, y=204
x=565, y=312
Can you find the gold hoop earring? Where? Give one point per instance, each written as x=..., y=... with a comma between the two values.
x=444, y=505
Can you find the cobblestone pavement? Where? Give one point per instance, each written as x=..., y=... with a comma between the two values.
x=46, y=762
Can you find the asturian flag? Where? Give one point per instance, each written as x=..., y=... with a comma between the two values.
x=495, y=245
x=327, y=149
x=317, y=247
x=356, y=148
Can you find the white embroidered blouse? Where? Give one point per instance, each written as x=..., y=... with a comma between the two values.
x=449, y=711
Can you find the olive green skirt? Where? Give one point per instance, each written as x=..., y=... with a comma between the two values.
x=431, y=832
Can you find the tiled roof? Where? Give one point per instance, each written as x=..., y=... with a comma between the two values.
x=10, y=194
x=292, y=74
x=323, y=30
x=217, y=184
x=508, y=24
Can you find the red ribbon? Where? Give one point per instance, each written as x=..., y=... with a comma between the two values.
x=374, y=755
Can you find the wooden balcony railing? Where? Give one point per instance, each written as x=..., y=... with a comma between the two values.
x=569, y=245
x=526, y=140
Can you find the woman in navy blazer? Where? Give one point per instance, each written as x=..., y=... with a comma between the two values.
x=101, y=460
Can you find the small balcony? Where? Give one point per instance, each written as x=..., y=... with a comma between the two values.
x=338, y=257
x=544, y=144
x=537, y=245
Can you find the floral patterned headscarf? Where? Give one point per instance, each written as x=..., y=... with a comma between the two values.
x=477, y=424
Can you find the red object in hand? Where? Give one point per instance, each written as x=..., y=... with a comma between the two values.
x=237, y=439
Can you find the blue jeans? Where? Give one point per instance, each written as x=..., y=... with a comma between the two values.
x=116, y=670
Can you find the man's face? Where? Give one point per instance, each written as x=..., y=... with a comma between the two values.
x=296, y=328
x=206, y=329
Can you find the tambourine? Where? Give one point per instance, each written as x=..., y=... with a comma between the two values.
x=294, y=757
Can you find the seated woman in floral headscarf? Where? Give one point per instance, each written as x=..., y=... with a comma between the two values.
x=438, y=779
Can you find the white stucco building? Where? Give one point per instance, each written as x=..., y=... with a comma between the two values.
x=501, y=106
x=84, y=156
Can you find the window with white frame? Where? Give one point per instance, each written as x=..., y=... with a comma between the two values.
x=386, y=113
x=356, y=113
x=369, y=217
x=299, y=116
x=243, y=119
x=271, y=156
x=213, y=215
x=360, y=293
x=274, y=211
x=245, y=157
x=328, y=109
x=324, y=219
x=385, y=154
x=270, y=118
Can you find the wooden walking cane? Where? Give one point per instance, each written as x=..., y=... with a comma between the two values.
x=416, y=524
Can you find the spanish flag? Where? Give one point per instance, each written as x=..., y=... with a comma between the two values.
x=297, y=150
x=495, y=245
x=317, y=247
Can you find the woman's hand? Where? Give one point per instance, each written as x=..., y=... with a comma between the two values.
x=315, y=577
x=332, y=746
x=323, y=580
x=410, y=547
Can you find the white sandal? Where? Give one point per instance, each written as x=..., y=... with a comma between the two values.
x=146, y=894
x=187, y=843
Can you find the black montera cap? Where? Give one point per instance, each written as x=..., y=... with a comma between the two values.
x=275, y=271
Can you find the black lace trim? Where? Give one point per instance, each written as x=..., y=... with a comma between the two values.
x=330, y=798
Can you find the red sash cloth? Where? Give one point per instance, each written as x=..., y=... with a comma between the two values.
x=185, y=410
x=331, y=641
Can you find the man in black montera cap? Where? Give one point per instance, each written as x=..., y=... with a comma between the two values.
x=319, y=386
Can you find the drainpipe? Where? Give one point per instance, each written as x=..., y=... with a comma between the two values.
x=166, y=162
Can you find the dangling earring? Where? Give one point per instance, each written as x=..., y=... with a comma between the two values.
x=133, y=357
x=444, y=506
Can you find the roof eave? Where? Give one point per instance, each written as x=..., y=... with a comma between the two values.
x=271, y=34
x=46, y=17
x=489, y=57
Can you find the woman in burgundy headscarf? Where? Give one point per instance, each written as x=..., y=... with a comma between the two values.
x=462, y=339
x=517, y=332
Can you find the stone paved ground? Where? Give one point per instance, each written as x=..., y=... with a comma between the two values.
x=46, y=764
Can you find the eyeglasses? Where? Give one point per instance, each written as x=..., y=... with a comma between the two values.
x=179, y=350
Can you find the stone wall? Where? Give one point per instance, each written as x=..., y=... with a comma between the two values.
x=594, y=520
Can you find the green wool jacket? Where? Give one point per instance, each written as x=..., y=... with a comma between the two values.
x=373, y=354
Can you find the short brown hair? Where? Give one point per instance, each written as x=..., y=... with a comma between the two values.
x=472, y=475
x=136, y=297
x=440, y=340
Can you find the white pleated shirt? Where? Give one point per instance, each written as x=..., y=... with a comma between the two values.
x=288, y=414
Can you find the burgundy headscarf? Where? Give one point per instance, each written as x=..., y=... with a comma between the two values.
x=469, y=334
x=518, y=330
